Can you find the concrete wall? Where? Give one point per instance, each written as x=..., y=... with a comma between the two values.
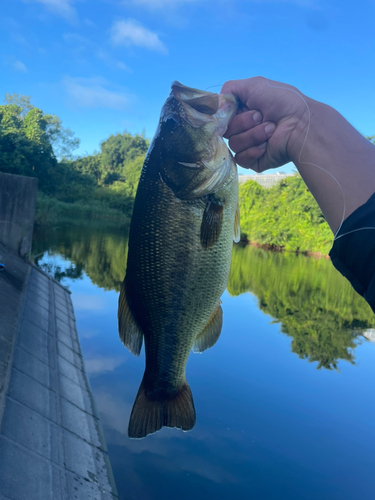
x=17, y=210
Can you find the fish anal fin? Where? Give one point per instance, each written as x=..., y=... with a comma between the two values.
x=150, y=415
x=211, y=225
x=237, y=228
x=211, y=332
x=130, y=333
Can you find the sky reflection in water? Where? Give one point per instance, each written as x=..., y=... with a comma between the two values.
x=269, y=424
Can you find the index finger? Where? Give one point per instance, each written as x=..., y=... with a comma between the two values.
x=245, y=88
x=237, y=88
x=243, y=121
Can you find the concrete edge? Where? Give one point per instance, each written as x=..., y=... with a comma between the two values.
x=4, y=393
x=111, y=477
x=49, y=277
x=99, y=427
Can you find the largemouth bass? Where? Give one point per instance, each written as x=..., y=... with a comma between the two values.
x=184, y=221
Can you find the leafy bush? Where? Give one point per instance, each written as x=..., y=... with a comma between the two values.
x=50, y=211
x=286, y=216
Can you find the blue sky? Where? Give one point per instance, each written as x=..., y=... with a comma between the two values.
x=104, y=66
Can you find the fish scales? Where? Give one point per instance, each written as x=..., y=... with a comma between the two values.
x=174, y=278
x=173, y=274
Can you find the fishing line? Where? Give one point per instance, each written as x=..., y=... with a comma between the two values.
x=317, y=166
x=212, y=86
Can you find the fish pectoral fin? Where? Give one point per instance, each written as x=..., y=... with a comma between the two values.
x=150, y=415
x=212, y=222
x=130, y=333
x=211, y=332
x=237, y=228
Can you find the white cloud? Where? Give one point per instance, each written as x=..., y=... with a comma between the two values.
x=94, y=93
x=113, y=63
x=129, y=32
x=101, y=364
x=63, y=8
x=19, y=66
x=114, y=412
x=88, y=333
x=80, y=43
x=88, y=302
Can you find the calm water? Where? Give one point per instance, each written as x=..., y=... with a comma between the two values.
x=285, y=400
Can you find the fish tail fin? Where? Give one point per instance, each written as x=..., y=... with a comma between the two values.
x=149, y=416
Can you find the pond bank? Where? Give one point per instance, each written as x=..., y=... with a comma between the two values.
x=276, y=248
x=51, y=439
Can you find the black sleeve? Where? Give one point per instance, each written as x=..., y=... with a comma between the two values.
x=353, y=251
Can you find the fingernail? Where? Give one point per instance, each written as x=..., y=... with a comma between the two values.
x=270, y=128
x=257, y=117
x=263, y=146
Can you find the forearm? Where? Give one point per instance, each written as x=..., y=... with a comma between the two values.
x=336, y=162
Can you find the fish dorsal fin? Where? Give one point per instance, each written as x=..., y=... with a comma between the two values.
x=130, y=333
x=211, y=332
x=212, y=222
x=237, y=228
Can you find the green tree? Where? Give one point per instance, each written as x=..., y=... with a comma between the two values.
x=89, y=165
x=285, y=216
x=61, y=139
x=119, y=150
x=24, y=145
x=36, y=144
x=22, y=101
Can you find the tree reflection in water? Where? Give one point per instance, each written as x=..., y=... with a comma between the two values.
x=315, y=305
x=98, y=250
x=312, y=301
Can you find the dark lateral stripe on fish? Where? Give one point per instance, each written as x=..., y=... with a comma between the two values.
x=149, y=416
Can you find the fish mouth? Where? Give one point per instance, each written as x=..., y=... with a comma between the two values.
x=200, y=100
x=202, y=107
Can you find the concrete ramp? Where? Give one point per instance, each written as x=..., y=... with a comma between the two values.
x=51, y=440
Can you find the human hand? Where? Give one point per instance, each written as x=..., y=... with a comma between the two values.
x=270, y=127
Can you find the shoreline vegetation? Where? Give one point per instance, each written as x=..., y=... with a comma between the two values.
x=273, y=248
x=284, y=217
x=50, y=212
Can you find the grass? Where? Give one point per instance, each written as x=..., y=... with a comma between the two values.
x=50, y=211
